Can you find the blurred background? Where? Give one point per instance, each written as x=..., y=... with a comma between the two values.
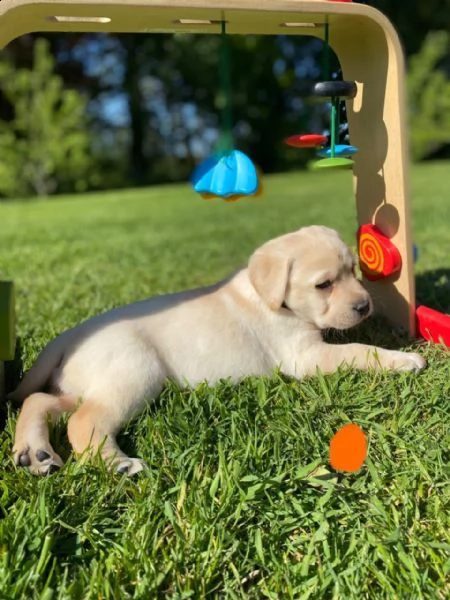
x=82, y=112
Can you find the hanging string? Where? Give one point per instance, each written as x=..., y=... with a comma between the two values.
x=326, y=54
x=334, y=118
x=334, y=112
x=226, y=130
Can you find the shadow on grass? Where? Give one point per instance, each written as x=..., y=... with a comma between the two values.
x=13, y=374
x=433, y=289
x=376, y=331
x=14, y=368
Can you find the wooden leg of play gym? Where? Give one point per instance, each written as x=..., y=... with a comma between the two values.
x=372, y=56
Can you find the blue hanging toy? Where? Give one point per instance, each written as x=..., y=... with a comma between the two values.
x=229, y=173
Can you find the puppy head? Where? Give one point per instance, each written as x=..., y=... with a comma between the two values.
x=311, y=274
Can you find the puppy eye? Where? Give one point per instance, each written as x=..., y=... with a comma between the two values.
x=324, y=285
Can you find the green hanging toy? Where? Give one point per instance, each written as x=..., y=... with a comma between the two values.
x=336, y=155
x=229, y=173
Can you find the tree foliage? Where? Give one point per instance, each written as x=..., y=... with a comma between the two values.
x=154, y=101
x=414, y=19
x=429, y=96
x=45, y=146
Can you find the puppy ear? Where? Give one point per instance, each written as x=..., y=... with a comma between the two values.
x=269, y=275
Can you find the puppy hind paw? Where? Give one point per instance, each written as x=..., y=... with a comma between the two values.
x=38, y=461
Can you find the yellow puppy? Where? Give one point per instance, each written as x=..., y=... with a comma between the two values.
x=269, y=314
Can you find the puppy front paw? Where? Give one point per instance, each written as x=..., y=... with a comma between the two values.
x=406, y=361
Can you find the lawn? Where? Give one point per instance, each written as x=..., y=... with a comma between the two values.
x=227, y=508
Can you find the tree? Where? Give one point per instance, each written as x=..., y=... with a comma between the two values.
x=414, y=19
x=429, y=96
x=45, y=146
x=175, y=98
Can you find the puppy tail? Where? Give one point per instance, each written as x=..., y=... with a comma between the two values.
x=39, y=374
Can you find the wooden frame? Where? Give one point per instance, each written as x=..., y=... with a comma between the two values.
x=369, y=52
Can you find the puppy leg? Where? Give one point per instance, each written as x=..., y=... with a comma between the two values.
x=329, y=357
x=32, y=448
x=93, y=428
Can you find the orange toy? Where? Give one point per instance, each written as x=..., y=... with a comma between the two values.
x=378, y=257
x=348, y=448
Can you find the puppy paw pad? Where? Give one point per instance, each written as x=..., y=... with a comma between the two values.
x=50, y=469
x=42, y=455
x=123, y=468
x=23, y=460
x=130, y=466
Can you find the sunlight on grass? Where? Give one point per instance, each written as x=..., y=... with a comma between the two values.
x=226, y=507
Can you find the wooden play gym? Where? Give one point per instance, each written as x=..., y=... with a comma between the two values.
x=370, y=55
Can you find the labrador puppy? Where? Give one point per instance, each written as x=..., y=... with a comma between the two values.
x=270, y=314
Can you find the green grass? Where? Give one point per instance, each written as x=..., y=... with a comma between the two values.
x=226, y=508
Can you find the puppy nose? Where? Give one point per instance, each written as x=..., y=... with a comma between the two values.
x=362, y=308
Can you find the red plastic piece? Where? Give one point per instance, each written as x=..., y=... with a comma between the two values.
x=306, y=140
x=378, y=257
x=433, y=325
